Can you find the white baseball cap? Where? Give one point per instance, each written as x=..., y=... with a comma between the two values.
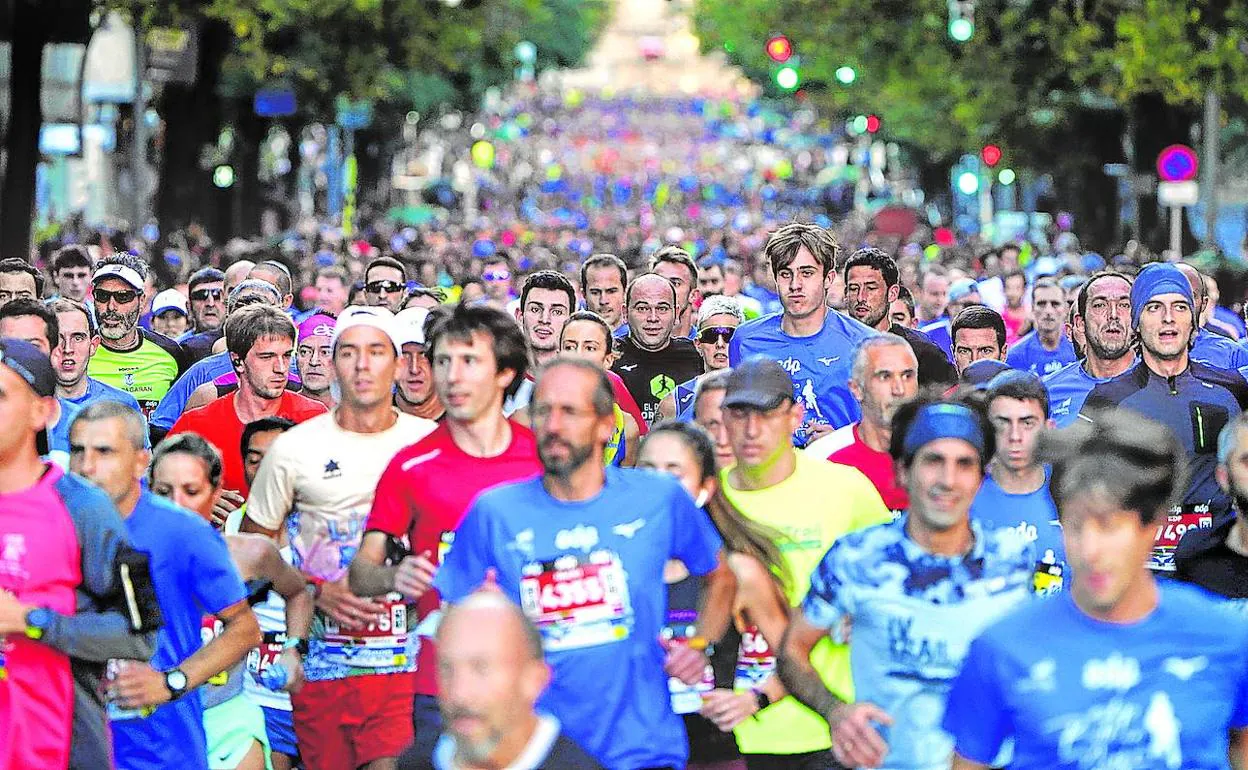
x=169, y=299
x=125, y=273
x=376, y=317
x=410, y=324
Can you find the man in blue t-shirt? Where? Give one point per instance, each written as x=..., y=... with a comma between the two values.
x=1208, y=346
x=1045, y=349
x=155, y=709
x=909, y=596
x=582, y=550
x=1103, y=320
x=1015, y=494
x=813, y=343
x=1121, y=670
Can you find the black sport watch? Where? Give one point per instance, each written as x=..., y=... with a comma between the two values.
x=175, y=682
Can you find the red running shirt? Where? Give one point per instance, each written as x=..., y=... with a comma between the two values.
x=219, y=423
x=877, y=466
x=424, y=494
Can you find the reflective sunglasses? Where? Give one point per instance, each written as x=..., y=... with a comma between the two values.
x=712, y=334
x=199, y=295
x=123, y=297
x=496, y=275
x=387, y=287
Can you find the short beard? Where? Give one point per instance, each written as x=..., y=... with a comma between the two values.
x=129, y=321
x=875, y=318
x=563, y=469
x=1104, y=353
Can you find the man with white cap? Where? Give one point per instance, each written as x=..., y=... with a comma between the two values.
x=143, y=363
x=413, y=392
x=170, y=314
x=356, y=708
x=314, y=358
x=1191, y=398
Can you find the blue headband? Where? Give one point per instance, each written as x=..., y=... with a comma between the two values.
x=937, y=421
x=1154, y=280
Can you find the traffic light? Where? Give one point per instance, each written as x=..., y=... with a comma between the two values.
x=846, y=75
x=990, y=155
x=787, y=78
x=873, y=124
x=961, y=20
x=779, y=49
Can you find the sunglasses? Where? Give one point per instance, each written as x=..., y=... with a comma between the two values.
x=123, y=297
x=199, y=295
x=496, y=275
x=387, y=287
x=712, y=334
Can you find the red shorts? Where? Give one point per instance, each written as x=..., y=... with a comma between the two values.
x=346, y=723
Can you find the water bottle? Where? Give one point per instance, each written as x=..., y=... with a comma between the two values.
x=275, y=677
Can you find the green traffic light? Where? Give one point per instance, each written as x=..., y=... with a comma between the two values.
x=961, y=29
x=968, y=182
x=787, y=78
x=846, y=75
x=860, y=124
x=1006, y=177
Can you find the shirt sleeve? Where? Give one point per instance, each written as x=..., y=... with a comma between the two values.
x=734, y=350
x=272, y=494
x=1239, y=716
x=830, y=597
x=464, y=568
x=391, y=513
x=975, y=713
x=695, y=542
x=217, y=582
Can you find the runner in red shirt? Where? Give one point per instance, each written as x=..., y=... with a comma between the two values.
x=261, y=341
x=885, y=376
x=478, y=356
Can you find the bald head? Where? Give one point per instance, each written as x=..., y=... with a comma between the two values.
x=650, y=283
x=1195, y=279
x=237, y=273
x=488, y=613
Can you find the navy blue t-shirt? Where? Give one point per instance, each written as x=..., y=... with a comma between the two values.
x=590, y=576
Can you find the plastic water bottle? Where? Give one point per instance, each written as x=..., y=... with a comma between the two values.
x=275, y=677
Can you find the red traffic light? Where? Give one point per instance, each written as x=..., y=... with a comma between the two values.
x=991, y=154
x=779, y=49
x=873, y=124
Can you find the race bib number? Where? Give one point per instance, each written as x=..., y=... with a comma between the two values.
x=1176, y=524
x=270, y=650
x=577, y=602
x=687, y=699
x=383, y=643
x=755, y=660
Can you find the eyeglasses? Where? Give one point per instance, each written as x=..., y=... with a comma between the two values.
x=387, y=287
x=123, y=297
x=712, y=334
x=199, y=295
x=496, y=275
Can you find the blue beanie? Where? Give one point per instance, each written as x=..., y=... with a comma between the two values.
x=944, y=420
x=1155, y=279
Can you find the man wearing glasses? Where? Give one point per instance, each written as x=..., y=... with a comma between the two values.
x=135, y=360
x=385, y=284
x=499, y=282
x=718, y=319
x=206, y=292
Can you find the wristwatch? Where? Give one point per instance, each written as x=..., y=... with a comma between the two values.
x=38, y=621
x=295, y=643
x=175, y=682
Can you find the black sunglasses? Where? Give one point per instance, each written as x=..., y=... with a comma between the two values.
x=199, y=295
x=123, y=297
x=389, y=287
x=713, y=334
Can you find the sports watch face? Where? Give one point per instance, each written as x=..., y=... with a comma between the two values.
x=175, y=680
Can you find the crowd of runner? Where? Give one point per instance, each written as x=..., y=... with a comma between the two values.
x=609, y=483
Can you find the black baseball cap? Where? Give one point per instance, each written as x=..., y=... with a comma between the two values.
x=758, y=383
x=35, y=368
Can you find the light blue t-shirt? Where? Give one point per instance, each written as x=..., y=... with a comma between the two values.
x=99, y=391
x=1032, y=516
x=913, y=615
x=938, y=332
x=819, y=365
x=1030, y=356
x=590, y=576
x=1068, y=388
x=1218, y=351
x=193, y=575
x=1076, y=693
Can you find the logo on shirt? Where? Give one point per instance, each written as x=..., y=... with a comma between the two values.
x=628, y=367
x=1041, y=677
x=426, y=457
x=12, y=554
x=579, y=537
x=628, y=529
x=661, y=385
x=791, y=365
x=128, y=379
x=828, y=361
x=1113, y=673
x=522, y=543
x=332, y=471
x=1185, y=668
